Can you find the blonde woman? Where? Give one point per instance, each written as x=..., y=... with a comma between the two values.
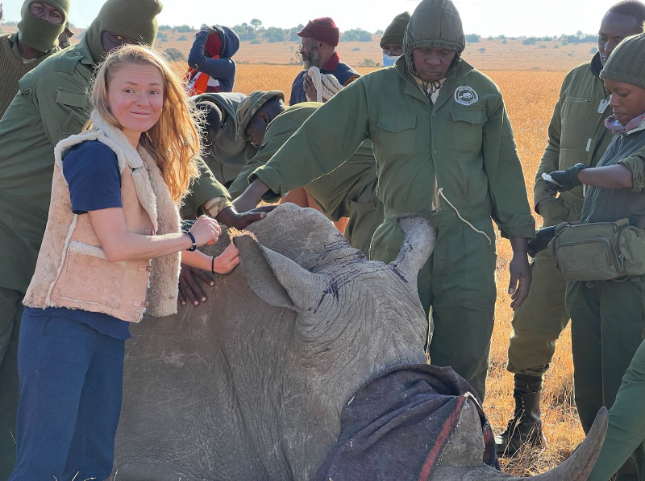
x=112, y=233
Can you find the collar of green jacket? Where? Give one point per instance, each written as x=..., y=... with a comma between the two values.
x=434, y=23
x=459, y=68
x=596, y=65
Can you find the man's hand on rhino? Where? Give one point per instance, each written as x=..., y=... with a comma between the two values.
x=251, y=197
x=310, y=89
x=189, y=287
x=240, y=220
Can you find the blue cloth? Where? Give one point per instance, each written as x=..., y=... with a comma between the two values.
x=92, y=173
x=342, y=72
x=71, y=383
x=223, y=68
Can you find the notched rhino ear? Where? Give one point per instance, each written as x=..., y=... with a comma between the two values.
x=276, y=279
x=416, y=248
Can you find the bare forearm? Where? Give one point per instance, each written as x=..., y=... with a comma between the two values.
x=197, y=259
x=251, y=196
x=610, y=177
x=128, y=246
x=519, y=245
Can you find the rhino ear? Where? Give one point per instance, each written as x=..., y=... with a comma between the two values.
x=416, y=248
x=276, y=279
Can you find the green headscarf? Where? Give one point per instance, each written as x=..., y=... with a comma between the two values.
x=393, y=34
x=134, y=19
x=40, y=34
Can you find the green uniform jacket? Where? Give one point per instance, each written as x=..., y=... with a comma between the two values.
x=51, y=105
x=577, y=132
x=347, y=191
x=463, y=145
x=230, y=154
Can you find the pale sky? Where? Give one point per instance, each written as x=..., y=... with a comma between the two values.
x=485, y=17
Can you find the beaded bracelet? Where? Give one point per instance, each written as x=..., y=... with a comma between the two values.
x=192, y=238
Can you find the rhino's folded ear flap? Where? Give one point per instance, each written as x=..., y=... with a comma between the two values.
x=278, y=280
x=416, y=248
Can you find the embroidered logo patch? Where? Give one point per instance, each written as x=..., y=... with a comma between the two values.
x=466, y=96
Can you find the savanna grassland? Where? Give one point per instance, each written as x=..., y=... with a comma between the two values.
x=529, y=77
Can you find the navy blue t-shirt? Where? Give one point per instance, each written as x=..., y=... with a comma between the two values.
x=92, y=173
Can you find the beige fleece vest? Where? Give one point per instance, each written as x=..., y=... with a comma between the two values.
x=73, y=271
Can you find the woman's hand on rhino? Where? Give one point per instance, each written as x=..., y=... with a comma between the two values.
x=227, y=260
x=189, y=287
x=206, y=231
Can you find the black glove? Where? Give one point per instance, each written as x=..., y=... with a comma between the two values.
x=563, y=180
x=541, y=241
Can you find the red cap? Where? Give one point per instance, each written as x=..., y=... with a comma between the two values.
x=322, y=29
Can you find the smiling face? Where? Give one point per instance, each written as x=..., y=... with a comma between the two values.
x=46, y=12
x=135, y=98
x=432, y=63
x=627, y=100
x=615, y=27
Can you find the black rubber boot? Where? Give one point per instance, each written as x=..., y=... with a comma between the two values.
x=525, y=428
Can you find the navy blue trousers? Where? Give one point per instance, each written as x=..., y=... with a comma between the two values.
x=71, y=384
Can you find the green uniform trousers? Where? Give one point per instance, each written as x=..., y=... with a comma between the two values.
x=366, y=214
x=10, y=314
x=537, y=324
x=626, y=423
x=607, y=326
x=457, y=286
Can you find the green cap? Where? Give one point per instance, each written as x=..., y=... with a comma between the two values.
x=434, y=23
x=37, y=33
x=134, y=19
x=250, y=105
x=393, y=34
x=627, y=62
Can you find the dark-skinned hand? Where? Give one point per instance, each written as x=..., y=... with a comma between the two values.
x=520, y=281
x=190, y=288
x=231, y=218
x=563, y=180
x=310, y=89
x=542, y=238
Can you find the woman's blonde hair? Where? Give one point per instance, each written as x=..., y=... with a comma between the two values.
x=174, y=141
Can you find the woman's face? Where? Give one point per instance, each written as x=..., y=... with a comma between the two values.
x=627, y=100
x=135, y=97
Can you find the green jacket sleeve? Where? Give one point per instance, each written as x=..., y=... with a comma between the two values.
x=551, y=158
x=326, y=140
x=636, y=163
x=63, y=110
x=506, y=182
x=205, y=188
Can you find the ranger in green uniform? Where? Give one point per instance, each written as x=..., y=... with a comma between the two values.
x=40, y=25
x=348, y=191
x=577, y=134
x=229, y=154
x=51, y=105
x=444, y=150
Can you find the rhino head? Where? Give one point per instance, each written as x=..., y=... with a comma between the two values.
x=251, y=385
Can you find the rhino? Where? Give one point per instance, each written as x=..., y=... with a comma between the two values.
x=255, y=383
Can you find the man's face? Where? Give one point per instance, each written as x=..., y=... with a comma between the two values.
x=64, y=37
x=256, y=129
x=432, y=63
x=393, y=50
x=615, y=27
x=627, y=100
x=309, y=51
x=112, y=40
x=46, y=13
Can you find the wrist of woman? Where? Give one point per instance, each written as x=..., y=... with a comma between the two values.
x=191, y=237
x=213, y=265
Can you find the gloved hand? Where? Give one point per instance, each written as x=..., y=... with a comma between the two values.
x=563, y=180
x=541, y=241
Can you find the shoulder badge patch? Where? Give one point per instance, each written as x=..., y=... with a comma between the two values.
x=466, y=95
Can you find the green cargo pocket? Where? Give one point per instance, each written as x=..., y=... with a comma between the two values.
x=78, y=105
x=631, y=245
x=468, y=127
x=396, y=134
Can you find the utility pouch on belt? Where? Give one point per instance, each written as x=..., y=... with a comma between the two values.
x=598, y=251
